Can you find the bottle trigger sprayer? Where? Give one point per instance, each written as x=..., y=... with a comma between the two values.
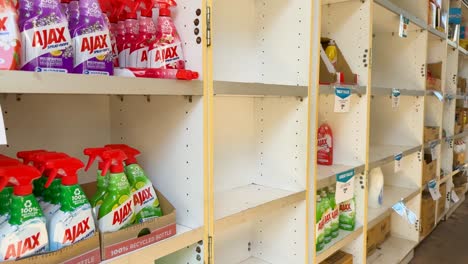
x=138, y=57
x=102, y=181
x=28, y=157
x=5, y=195
x=117, y=209
x=74, y=221
x=144, y=196
x=25, y=233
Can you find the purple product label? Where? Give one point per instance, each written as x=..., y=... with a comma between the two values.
x=91, y=41
x=45, y=37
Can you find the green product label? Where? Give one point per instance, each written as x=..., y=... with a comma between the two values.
x=102, y=184
x=72, y=197
x=52, y=194
x=5, y=198
x=347, y=217
x=24, y=208
x=38, y=185
x=144, y=196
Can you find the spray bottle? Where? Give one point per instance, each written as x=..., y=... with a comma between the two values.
x=10, y=44
x=120, y=39
x=117, y=209
x=102, y=181
x=165, y=52
x=327, y=213
x=131, y=31
x=74, y=221
x=64, y=7
x=319, y=224
x=28, y=158
x=46, y=41
x=5, y=195
x=73, y=14
x=138, y=57
x=144, y=196
x=92, y=42
x=335, y=222
x=25, y=233
x=325, y=145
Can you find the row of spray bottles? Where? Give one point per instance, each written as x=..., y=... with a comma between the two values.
x=331, y=217
x=52, y=215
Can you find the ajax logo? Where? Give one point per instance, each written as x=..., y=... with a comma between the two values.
x=28, y=204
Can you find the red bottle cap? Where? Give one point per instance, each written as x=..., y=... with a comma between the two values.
x=113, y=161
x=27, y=156
x=133, y=6
x=94, y=153
x=23, y=176
x=148, y=10
x=67, y=168
x=164, y=6
x=130, y=152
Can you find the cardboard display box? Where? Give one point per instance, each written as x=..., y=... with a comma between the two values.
x=429, y=169
x=461, y=85
x=441, y=202
x=378, y=234
x=460, y=190
x=431, y=133
x=427, y=214
x=434, y=76
x=458, y=159
x=339, y=257
x=138, y=235
x=459, y=179
x=342, y=68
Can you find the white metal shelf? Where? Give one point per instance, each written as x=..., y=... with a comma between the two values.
x=343, y=239
x=391, y=195
x=21, y=82
x=429, y=143
x=463, y=51
x=392, y=251
x=453, y=207
x=326, y=175
x=382, y=154
x=247, y=202
x=387, y=91
x=258, y=89
x=389, y=5
x=330, y=89
x=452, y=44
x=184, y=237
x=254, y=260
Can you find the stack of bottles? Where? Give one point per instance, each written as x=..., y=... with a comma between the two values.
x=43, y=207
x=124, y=195
x=88, y=37
x=331, y=217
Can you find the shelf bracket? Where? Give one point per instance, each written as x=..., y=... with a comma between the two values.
x=210, y=248
x=208, y=26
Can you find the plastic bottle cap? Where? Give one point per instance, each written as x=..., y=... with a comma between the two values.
x=23, y=175
x=130, y=152
x=94, y=153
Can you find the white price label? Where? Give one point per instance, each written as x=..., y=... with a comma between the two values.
x=342, y=99
x=454, y=196
x=398, y=158
x=344, y=186
x=395, y=98
x=434, y=150
x=434, y=190
x=403, y=30
x=3, y=139
x=439, y=95
x=401, y=209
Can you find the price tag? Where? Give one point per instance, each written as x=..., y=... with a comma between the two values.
x=454, y=196
x=344, y=186
x=403, y=30
x=342, y=99
x=401, y=209
x=395, y=98
x=465, y=101
x=411, y=217
x=397, y=159
x=3, y=139
x=434, y=190
x=434, y=150
x=439, y=95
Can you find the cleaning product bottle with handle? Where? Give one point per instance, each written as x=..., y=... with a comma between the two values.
x=325, y=145
x=332, y=52
x=25, y=233
x=144, y=196
x=376, y=186
x=10, y=44
x=74, y=221
x=165, y=52
x=102, y=181
x=117, y=209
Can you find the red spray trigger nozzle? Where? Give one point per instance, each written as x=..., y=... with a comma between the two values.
x=28, y=155
x=133, y=8
x=68, y=168
x=164, y=7
x=93, y=153
x=130, y=152
x=113, y=160
x=148, y=10
x=40, y=159
x=23, y=176
x=3, y=182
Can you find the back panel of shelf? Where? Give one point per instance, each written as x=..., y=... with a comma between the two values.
x=263, y=46
x=410, y=174
x=192, y=254
x=416, y=8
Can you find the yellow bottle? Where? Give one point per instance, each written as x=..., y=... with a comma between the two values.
x=331, y=52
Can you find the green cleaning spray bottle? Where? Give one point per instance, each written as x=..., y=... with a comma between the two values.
x=335, y=212
x=327, y=213
x=5, y=195
x=74, y=221
x=25, y=233
x=102, y=181
x=319, y=226
x=144, y=196
x=117, y=210
x=28, y=158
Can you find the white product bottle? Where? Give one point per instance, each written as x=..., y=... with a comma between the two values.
x=376, y=185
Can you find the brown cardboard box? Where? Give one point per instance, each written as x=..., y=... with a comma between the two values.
x=429, y=169
x=339, y=257
x=86, y=251
x=441, y=202
x=460, y=190
x=458, y=159
x=459, y=179
x=384, y=230
x=431, y=133
x=427, y=214
x=434, y=76
x=378, y=234
x=342, y=67
x=458, y=129
x=372, y=235
x=461, y=85
x=138, y=235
